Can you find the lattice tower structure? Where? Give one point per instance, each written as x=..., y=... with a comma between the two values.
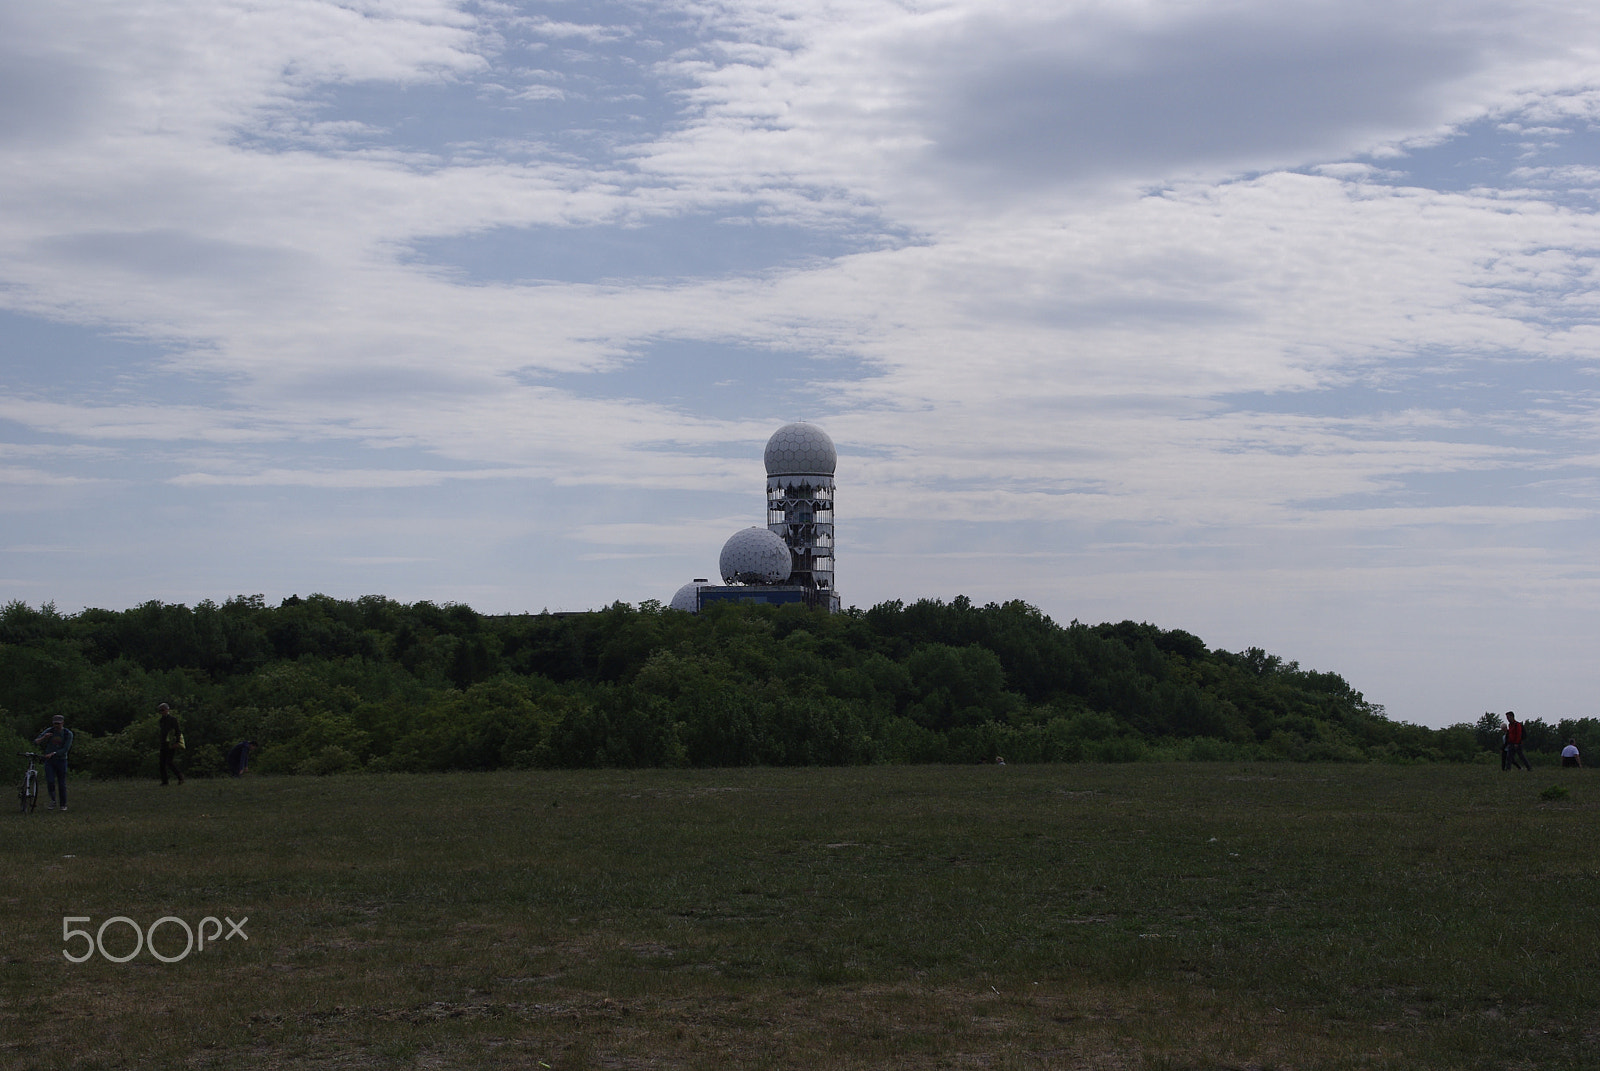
x=800, y=461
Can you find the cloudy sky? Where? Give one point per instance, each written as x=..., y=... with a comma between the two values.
x=1272, y=322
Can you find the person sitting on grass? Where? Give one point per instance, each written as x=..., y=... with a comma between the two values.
x=1569, y=754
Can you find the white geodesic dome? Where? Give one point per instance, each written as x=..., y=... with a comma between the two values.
x=688, y=596
x=755, y=556
x=800, y=448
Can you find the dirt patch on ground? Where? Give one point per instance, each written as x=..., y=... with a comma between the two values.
x=905, y=1026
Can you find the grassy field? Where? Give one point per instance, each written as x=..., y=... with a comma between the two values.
x=1136, y=916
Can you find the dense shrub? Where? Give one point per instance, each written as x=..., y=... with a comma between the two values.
x=327, y=686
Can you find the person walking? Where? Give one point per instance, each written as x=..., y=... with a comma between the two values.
x=171, y=744
x=1514, y=734
x=1569, y=754
x=56, y=740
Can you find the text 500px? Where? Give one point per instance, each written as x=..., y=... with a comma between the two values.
x=143, y=939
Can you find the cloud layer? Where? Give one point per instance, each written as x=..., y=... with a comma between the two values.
x=1277, y=327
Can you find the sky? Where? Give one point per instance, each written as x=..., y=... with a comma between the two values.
x=1270, y=322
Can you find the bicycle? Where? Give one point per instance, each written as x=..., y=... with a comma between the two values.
x=28, y=791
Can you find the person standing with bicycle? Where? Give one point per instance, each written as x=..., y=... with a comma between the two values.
x=56, y=740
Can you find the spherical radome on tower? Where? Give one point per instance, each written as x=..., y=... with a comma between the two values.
x=755, y=556
x=800, y=448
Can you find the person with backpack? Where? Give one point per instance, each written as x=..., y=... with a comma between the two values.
x=171, y=744
x=1514, y=735
x=56, y=740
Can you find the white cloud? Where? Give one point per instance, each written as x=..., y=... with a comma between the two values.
x=929, y=108
x=17, y=474
x=346, y=478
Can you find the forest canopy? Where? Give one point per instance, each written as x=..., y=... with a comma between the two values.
x=325, y=685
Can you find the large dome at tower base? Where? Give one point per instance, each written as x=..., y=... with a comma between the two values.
x=755, y=556
x=688, y=596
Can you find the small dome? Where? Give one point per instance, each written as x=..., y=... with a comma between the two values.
x=688, y=596
x=800, y=448
x=755, y=556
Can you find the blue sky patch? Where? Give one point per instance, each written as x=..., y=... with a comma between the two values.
x=694, y=246
x=717, y=380
x=41, y=358
x=1492, y=153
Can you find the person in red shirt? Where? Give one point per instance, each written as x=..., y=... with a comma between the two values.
x=1514, y=741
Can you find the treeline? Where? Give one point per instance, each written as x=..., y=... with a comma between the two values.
x=325, y=685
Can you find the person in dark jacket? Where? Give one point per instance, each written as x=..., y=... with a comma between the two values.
x=239, y=757
x=171, y=742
